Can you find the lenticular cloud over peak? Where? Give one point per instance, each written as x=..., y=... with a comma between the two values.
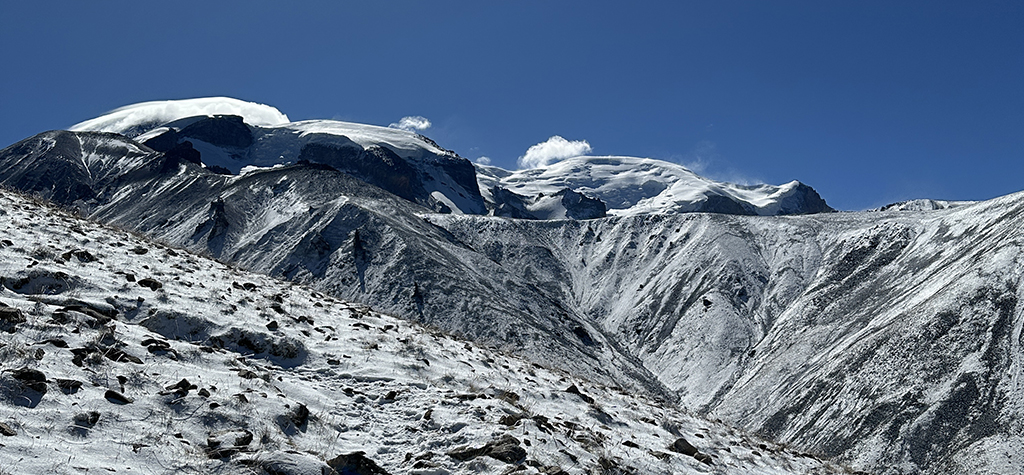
x=129, y=118
x=552, y=150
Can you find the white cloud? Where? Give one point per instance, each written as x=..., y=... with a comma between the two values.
x=411, y=123
x=484, y=160
x=554, y=149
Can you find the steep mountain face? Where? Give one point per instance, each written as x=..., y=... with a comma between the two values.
x=890, y=340
x=67, y=167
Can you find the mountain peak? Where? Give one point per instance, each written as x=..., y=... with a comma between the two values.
x=136, y=119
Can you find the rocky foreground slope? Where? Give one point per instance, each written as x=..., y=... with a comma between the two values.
x=121, y=355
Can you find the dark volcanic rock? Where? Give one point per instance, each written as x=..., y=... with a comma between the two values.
x=184, y=151
x=220, y=130
x=163, y=141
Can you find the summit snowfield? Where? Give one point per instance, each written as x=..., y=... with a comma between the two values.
x=631, y=186
x=888, y=340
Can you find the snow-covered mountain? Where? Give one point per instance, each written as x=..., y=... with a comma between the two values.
x=630, y=186
x=889, y=340
x=122, y=355
x=227, y=135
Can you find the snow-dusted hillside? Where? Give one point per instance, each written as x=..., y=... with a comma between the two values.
x=122, y=355
x=629, y=186
x=891, y=340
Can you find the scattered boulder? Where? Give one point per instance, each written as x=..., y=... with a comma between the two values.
x=81, y=254
x=574, y=390
x=6, y=430
x=226, y=443
x=505, y=449
x=115, y=397
x=31, y=378
x=179, y=389
x=296, y=418
x=152, y=284
x=69, y=386
x=683, y=447
x=355, y=463
x=84, y=421
x=9, y=318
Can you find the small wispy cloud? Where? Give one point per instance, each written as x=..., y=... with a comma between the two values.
x=411, y=123
x=705, y=159
x=701, y=156
x=552, y=150
x=484, y=160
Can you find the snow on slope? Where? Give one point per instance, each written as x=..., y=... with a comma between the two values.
x=630, y=186
x=136, y=119
x=127, y=356
x=922, y=205
x=889, y=340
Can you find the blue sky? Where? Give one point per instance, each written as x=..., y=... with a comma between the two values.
x=868, y=102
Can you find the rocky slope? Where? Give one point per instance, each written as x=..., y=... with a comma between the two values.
x=124, y=355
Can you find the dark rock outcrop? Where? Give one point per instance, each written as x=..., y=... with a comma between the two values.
x=220, y=130
x=355, y=463
x=579, y=206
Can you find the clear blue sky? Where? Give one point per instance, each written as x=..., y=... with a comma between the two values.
x=868, y=102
